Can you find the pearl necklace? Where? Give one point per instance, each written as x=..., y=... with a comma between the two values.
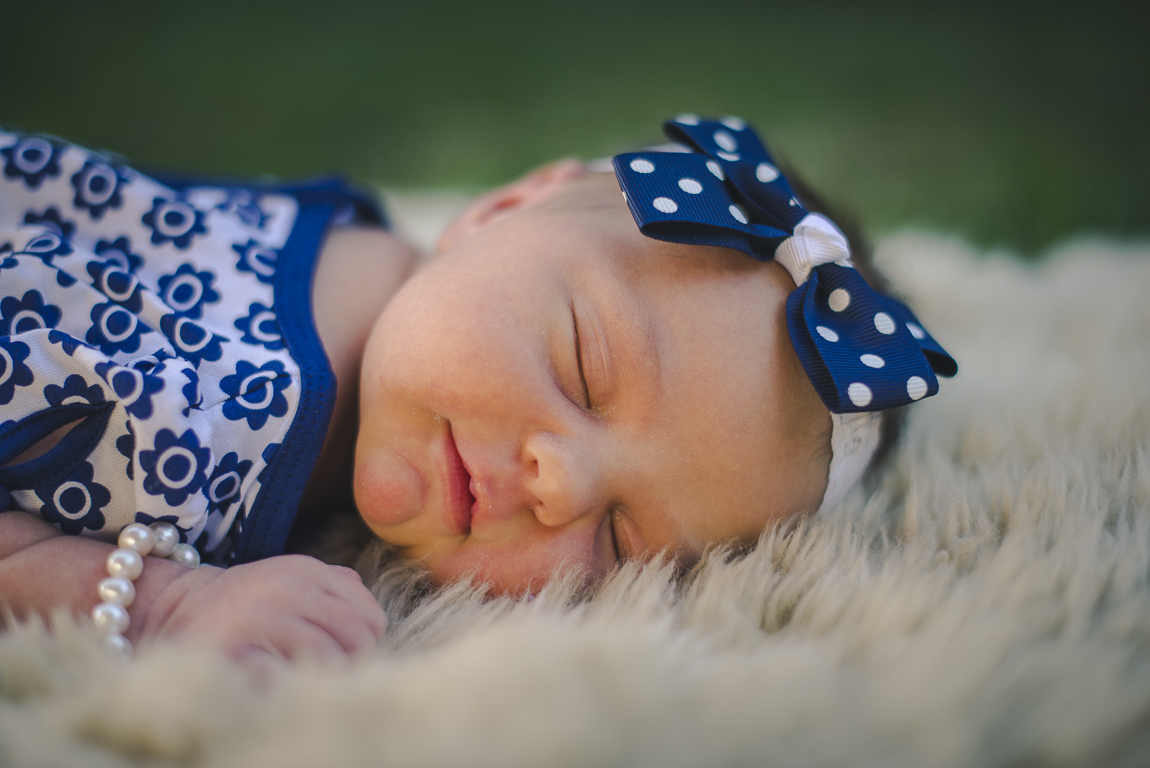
x=117, y=592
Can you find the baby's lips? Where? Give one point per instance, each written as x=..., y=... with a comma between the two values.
x=458, y=496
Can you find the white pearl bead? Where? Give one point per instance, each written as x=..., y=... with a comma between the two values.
x=111, y=619
x=126, y=563
x=138, y=537
x=167, y=537
x=118, y=590
x=119, y=643
x=186, y=554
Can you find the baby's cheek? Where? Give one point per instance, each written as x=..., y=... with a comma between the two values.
x=388, y=489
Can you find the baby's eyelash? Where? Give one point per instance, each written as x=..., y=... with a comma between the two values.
x=579, y=360
x=614, y=537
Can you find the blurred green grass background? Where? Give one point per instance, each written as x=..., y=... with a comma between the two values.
x=1011, y=125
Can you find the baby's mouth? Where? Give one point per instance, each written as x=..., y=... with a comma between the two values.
x=460, y=490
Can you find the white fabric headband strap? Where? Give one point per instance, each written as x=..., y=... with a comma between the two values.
x=854, y=440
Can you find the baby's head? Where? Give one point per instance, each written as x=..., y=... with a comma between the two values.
x=558, y=389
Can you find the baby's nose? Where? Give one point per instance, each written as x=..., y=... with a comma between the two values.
x=565, y=476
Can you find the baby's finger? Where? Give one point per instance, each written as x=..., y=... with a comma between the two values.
x=259, y=662
x=342, y=620
x=301, y=638
x=347, y=584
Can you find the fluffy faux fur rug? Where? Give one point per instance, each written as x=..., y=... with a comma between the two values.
x=988, y=605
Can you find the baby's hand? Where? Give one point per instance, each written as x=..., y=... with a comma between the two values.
x=290, y=606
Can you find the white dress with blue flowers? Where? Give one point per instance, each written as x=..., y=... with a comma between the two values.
x=171, y=321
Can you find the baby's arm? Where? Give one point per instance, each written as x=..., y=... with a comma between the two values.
x=289, y=606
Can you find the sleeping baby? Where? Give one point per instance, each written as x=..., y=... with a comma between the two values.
x=602, y=363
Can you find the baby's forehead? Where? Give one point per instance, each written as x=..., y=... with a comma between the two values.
x=601, y=233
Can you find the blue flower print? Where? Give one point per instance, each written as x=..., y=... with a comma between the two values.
x=192, y=341
x=173, y=221
x=258, y=259
x=53, y=241
x=97, y=188
x=51, y=219
x=154, y=362
x=68, y=343
x=119, y=252
x=173, y=520
x=133, y=388
x=269, y=457
x=76, y=503
x=114, y=329
x=176, y=469
x=26, y=314
x=121, y=287
x=13, y=372
x=75, y=390
x=191, y=391
x=245, y=205
x=46, y=246
x=223, y=487
x=260, y=326
x=186, y=290
x=32, y=160
x=126, y=445
x=256, y=393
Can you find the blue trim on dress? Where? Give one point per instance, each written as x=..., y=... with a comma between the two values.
x=266, y=527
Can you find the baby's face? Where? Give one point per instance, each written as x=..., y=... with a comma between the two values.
x=558, y=390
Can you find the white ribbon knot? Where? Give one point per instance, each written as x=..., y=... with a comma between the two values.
x=816, y=241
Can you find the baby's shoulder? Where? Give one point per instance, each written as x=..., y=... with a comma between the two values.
x=360, y=269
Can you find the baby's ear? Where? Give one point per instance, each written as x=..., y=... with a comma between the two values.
x=511, y=198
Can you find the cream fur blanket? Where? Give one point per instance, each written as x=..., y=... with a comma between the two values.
x=989, y=605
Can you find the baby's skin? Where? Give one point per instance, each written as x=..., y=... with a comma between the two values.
x=556, y=389
x=553, y=390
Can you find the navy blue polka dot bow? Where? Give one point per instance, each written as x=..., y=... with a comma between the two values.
x=863, y=351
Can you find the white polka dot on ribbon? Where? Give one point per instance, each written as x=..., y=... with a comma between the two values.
x=725, y=141
x=665, y=204
x=826, y=333
x=872, y=361
x=859, y=394
x=839, y=299
x=690, y=186
x=716, y=170
x=916, y=331
x=639, y=165
x=766, y=173
x=883, y=323
x=738, y=214
x=915, y=387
